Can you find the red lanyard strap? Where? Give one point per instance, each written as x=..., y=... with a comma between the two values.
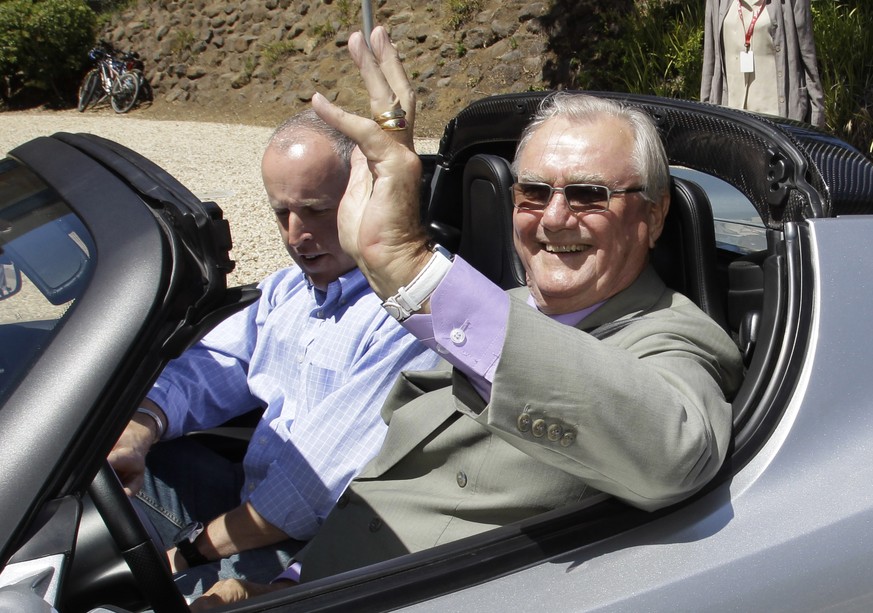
x=751, y=29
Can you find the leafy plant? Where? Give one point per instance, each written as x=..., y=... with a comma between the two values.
x=658, y=50
x=844, y=46
x=45, y=44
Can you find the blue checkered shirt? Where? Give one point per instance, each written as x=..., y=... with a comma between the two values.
x=321, y=363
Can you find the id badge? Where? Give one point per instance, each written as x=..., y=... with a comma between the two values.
x=747, y=61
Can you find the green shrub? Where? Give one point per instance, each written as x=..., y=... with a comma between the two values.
x=844, y=46
x=657, y=48
x=45, y=43
x=14, y=17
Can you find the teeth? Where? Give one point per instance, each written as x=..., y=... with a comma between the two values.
x=565, y=248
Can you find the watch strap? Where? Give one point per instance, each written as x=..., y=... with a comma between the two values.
x=409, y=298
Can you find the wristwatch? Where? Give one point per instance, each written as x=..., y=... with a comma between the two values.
x=184, y=543
x=409, y=298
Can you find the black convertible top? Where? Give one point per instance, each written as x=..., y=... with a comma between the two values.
x=790, y=171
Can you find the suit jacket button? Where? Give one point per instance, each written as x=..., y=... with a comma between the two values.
x=342, y=501
x=538, y=428
x=568, y=438
x=375, y=524
x=462, y=478
x=524, y=422
x=554, y=432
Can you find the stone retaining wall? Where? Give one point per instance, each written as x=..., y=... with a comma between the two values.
x=279, y=52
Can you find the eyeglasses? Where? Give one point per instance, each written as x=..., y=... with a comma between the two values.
x=581, y=197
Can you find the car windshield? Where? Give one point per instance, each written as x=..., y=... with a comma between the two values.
x=45, y=261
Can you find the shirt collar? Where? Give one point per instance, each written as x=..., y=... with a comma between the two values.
x=339, y=292
x=569, y=319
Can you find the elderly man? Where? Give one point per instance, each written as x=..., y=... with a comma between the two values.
x=596, y=378
x=317, y=352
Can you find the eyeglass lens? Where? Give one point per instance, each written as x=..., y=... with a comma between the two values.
x=538, y=195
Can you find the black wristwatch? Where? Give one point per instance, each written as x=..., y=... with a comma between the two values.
x=184, y=542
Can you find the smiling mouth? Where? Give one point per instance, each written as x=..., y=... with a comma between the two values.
x=309, y=258
x=565, y=248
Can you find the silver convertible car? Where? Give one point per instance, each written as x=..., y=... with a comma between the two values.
x=109, y=268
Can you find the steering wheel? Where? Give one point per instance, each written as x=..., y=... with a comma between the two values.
x=144, y=556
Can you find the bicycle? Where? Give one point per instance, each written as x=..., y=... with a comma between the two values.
x=117, y=76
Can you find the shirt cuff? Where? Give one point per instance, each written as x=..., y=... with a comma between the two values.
x=292, y=573
x=467, y=323
x=169, y=397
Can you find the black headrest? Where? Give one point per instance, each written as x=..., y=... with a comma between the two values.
x=486, y=236
x=685, y=253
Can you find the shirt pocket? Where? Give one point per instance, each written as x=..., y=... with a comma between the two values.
x=321, y=382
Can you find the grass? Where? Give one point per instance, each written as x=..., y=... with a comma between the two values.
x=347, y=13
x=274, y=52
x=183, y=40
x=461, y=11
x=323, y=31
x=845, y=53
x=659, y=50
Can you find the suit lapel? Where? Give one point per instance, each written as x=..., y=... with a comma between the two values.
x=638, y=298
x=412, y=412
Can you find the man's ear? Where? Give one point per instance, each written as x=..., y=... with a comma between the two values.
x=657, y=215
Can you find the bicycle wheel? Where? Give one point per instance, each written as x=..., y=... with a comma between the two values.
x=145, y=88
x=88, y=89
x=125, y=89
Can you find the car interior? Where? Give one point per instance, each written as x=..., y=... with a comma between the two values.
x=467, y=208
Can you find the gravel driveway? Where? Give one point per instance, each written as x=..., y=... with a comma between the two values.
x=219, y=162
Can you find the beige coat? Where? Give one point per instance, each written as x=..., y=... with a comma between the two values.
x=640, y=415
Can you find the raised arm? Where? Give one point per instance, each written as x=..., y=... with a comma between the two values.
x=378, y=218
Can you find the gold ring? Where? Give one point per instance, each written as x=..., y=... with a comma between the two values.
x=393, y=125
x=388, y=115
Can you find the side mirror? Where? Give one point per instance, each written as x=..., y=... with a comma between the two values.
x=10, y=278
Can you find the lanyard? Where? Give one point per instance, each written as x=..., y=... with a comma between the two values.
x=751, y=29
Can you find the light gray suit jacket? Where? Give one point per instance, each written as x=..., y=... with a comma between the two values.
x=800, y=91
x=641, y=414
